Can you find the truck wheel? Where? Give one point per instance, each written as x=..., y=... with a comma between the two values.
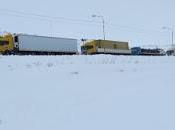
x=7, y=52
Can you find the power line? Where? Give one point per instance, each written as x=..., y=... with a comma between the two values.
x=46, y=16
x=57, y=19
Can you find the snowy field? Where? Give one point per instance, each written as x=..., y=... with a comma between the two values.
x=87, y=93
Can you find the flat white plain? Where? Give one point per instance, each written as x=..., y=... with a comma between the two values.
x=87, y=93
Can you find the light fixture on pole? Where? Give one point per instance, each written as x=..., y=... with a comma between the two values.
x=172, y=34
x=103, y=21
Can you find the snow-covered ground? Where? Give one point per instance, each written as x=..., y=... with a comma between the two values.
x=87, y=93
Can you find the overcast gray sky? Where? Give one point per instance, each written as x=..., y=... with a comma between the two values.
x=136, y=21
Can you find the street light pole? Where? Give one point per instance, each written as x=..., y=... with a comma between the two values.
x=172, y=35
x=104, y=28
x=103, y=22
x=172, y=38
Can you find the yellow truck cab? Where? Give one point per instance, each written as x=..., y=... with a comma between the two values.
x=6, y=44
x=89, y=48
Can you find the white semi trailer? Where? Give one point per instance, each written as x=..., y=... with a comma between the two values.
x=33, y=44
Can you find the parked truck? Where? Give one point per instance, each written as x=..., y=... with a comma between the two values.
x=33, y=44
x=147, y=52
x=106, y=47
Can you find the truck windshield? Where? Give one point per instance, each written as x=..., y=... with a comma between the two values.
x=86, y=47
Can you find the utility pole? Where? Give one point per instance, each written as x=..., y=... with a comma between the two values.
x=51, y=27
